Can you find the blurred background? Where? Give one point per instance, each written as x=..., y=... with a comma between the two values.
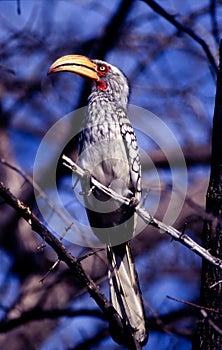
x=172, y=73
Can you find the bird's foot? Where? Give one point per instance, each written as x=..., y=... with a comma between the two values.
x=86, y=184
x=133, y=202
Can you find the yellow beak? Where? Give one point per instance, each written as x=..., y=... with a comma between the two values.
x=75, y=63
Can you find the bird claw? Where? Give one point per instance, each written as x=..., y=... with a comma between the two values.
x=133, y=202
x=86, y=184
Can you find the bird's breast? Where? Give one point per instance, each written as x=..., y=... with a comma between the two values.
x=103, y=154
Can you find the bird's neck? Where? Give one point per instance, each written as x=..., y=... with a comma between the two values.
x=102, y=107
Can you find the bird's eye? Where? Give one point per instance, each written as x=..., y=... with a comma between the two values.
x=102, y=68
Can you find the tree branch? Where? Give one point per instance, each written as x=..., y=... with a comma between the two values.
x=171, y=18
x=215, y=30
x=40, y=314
x=125, y=331
x=149, y=219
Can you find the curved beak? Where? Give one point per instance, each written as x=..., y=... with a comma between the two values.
x=75, y=63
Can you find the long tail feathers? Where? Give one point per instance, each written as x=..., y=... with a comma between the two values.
x=125, y=292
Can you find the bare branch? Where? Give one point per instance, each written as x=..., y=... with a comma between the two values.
x=192, y=304
x=214, y=22
x=171, y=18
x=149, y=219
x=18, y=7
x=38, y=189
x=40, y=314
x=203, y=311
x=215, y=284
x=125, y=331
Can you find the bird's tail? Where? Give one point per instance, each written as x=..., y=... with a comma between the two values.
x=125, y=292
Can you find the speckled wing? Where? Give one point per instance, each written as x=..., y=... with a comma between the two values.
x=132, y=151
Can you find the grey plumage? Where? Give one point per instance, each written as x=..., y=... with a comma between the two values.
x=108, y=151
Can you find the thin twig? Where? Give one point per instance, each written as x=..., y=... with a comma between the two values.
x=86, y=256
x=192, y=304
x=182, y=28
x=213, y=15
x=203, y=311
x=51, y=269
x=37, y=313
x=215, y=284
x=29, y=179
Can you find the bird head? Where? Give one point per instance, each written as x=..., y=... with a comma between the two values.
x=106, y=78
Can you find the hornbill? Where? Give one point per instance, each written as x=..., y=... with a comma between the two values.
x=108, y=151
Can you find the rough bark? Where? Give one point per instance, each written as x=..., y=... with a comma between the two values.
x=208, y=334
